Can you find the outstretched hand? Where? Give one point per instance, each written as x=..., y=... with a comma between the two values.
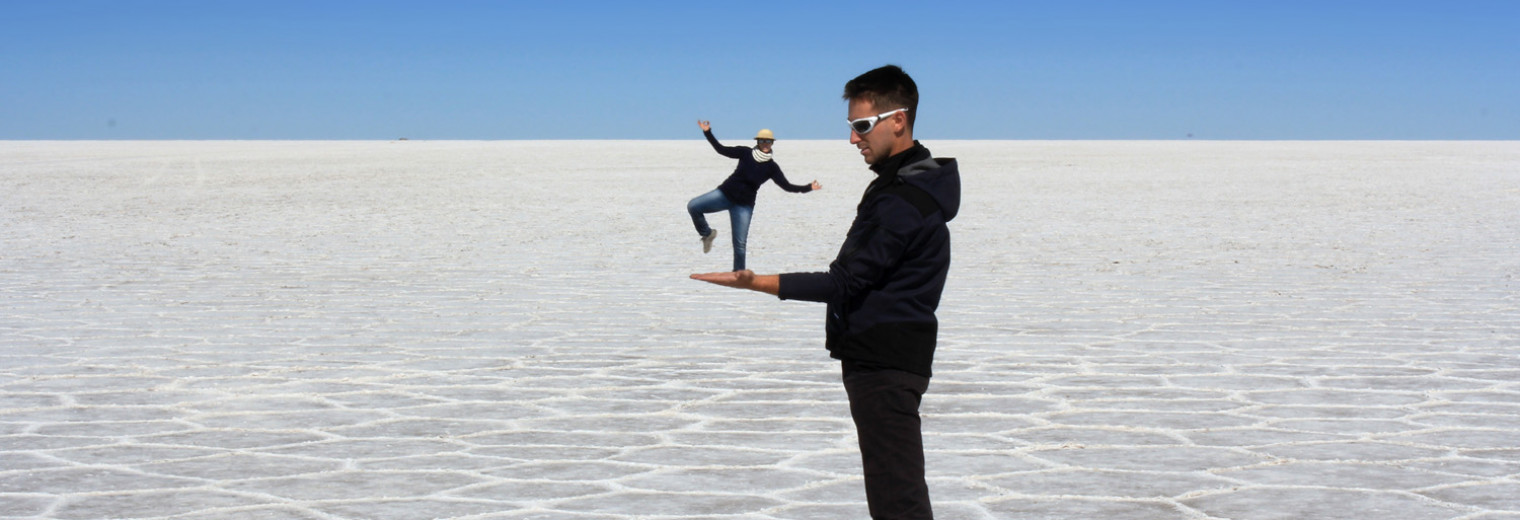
x=744, y=279
x=703, y=125
x=816, y=186
x=736, y=279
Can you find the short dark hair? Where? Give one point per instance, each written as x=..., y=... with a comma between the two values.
x=887, y=88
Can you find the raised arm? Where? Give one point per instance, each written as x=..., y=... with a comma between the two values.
x=731, y=152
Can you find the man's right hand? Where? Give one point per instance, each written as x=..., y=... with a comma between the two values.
x=703, y=125
x=743, y=279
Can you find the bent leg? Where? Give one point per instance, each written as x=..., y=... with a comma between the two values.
x=710, y=202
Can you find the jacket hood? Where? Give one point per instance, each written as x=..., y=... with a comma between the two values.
x=939, y=177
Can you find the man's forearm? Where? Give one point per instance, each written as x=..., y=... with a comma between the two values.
x=808, y=287
x=766, y=283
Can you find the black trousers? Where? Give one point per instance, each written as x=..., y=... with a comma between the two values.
x=884, y=404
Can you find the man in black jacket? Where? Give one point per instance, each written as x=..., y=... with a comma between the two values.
x=883, y=288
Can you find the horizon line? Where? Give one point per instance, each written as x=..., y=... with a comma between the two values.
x=406, y=139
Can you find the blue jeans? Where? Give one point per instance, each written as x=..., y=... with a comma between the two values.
x=738, y=217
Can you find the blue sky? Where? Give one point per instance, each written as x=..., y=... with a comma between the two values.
x=1218, y=69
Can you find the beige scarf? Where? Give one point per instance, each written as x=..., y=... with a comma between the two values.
x=760, y=156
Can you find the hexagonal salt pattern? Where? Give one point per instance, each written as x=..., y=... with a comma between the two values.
x=504, y=330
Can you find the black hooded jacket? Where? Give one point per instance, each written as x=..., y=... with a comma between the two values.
x=883, y=288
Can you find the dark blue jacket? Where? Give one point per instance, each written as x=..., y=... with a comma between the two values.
x=740, y=187
x=883, y=288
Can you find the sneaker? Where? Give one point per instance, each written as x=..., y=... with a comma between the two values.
x=708, y=240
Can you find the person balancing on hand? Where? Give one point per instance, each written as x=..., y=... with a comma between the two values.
x=883, y=288
x=737, y=193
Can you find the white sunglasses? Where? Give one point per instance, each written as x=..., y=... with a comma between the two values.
x=865, y=125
